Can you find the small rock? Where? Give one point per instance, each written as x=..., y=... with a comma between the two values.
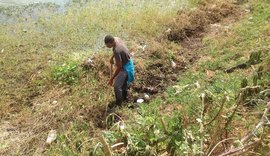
x=140, y=101
x=215, y=25
x=122, y=127
x=197, y=84
x=51, y=136
x=54, y=102
x=146, y=96
x=2, y=50
x=247, y=10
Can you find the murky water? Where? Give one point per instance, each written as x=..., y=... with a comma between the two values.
x=30, y=9
x=26, y=2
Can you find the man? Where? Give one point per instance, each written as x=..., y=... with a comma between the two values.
x=124, y=73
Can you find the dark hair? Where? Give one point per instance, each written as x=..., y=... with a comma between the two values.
x=108, y=39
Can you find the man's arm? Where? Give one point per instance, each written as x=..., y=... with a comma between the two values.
x=111, y=60
x=118, y=69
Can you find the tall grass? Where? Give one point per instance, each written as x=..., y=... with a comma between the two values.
x=84, y=27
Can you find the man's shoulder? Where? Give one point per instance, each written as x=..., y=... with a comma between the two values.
x=117, y=49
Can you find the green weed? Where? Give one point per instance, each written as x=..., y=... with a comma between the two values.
x=66, y=73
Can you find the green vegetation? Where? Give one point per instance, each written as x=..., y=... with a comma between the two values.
x=67, y=73
x=44, y=87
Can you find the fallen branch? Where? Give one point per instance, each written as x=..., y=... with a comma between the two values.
x=239, y=66
x=254, y=58
x=264, y=120
x=240, y=150
x=218, y=144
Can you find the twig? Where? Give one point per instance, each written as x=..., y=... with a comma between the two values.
x=116, y=145
x=202, y=123
x=111, y=71
x=240, y=150
x=164, y=126
x=221, y=107
x=218, y=144
x=95, y=149
x=250, y=88
x=240, y=100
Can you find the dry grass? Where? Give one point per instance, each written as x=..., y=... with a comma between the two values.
x=195, y=22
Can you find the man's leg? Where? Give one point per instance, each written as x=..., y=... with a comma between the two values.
x=118, y=86
x=125, y=89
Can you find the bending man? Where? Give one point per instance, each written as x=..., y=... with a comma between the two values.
x=124, y=73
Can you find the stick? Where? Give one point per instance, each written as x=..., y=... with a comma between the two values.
x=218, y=144
x=111, y=71
x=229, y=119
x=221, y=107
x=164, y=126
x=106, y=148
x=202, y=123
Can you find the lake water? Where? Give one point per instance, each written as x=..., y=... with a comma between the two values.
x=25, y=2
x=19, y=8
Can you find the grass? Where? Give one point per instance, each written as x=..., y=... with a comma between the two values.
x=250, y=34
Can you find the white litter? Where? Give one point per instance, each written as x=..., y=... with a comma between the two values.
x=54, y=102
x=173, y=64
x=51, y=136
x=168, y=30
x=199, y=120
x=140, y=101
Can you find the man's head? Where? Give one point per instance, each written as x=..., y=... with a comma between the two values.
x=109, y=41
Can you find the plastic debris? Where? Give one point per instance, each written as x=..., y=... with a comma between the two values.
x=54, y=102
x=168, y=30
x=51, y=137
x=199, y=120
x=173, y=64
x=140, y=101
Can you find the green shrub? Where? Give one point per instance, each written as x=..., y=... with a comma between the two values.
x=66, y=73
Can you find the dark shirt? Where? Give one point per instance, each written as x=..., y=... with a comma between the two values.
x=121, y=52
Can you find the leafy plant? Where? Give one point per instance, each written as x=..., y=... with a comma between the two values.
x=66, y=73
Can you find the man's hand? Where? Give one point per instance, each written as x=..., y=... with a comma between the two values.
x=110, y=82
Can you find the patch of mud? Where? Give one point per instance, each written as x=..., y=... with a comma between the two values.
x=193, y=23
x=95, y=114
x=101, y=117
